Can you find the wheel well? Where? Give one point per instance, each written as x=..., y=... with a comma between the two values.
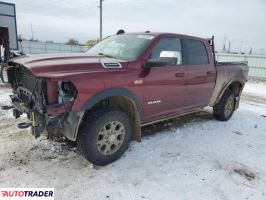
x=128, y=106
x=236, y=87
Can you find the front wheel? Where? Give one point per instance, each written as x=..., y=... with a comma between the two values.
x=225, y=108
x=105, y=135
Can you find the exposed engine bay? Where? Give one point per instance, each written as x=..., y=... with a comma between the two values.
x=46, y=102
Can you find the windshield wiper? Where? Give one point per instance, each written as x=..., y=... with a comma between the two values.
x=106, y=55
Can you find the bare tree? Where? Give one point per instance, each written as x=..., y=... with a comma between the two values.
x=92, y=42
x=72, y=41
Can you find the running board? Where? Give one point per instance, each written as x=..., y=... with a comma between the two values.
x=171, y=117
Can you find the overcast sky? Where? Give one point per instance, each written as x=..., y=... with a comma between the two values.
x=243, y=22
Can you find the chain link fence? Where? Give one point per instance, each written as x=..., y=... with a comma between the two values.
x=30, y=47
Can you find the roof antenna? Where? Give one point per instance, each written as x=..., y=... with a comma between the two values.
x=119, y=32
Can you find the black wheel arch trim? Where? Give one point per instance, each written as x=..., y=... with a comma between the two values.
x=242, y=81
x=109, y=93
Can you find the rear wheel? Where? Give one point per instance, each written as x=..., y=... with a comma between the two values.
x=105, y=135
x=224, y=109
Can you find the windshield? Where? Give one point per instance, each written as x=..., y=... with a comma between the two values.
x=127, y=47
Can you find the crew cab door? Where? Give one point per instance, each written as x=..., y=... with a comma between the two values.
x=165, y=84
x=201, y=72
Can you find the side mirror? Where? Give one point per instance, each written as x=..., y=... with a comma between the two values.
x=159, y=62
x=171, y=55
x=151, y=63
x=166, y=58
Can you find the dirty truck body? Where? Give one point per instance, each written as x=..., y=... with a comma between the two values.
x=101, y=98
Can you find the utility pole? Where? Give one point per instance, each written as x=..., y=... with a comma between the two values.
x=241, y=46
x=101, y=19
x=250, y=51
x=31, y=31
x=224, y=48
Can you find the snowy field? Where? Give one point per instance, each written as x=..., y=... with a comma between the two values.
x=190, y=158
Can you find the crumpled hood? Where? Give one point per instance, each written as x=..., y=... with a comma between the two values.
x=57, y=65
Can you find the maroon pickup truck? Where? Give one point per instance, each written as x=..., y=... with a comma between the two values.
x=101, y=98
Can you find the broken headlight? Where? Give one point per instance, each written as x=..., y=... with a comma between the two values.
x=66, y=92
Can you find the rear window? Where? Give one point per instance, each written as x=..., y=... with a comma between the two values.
x=195, y=52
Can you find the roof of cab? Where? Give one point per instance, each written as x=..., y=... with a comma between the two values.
x=158, y=34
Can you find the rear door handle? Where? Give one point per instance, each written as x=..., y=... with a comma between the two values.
x=210, y=73
x=180, y=75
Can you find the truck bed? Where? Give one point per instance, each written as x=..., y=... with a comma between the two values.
x=226, y=73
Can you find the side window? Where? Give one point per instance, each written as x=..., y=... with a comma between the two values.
x=195, y=52
x=167, y=48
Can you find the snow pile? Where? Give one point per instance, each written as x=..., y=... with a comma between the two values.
x=257, y=89
x=4, y=100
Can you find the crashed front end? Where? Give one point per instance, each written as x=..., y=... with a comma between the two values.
x=46, y=102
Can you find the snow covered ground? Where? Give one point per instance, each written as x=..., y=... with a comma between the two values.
x=193, y=157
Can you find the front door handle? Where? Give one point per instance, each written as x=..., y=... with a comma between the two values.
x=180, y=75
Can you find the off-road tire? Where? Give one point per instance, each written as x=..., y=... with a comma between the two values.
x=93, y=123
x=219, y=110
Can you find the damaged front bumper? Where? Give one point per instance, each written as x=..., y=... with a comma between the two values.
x=58, y=120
